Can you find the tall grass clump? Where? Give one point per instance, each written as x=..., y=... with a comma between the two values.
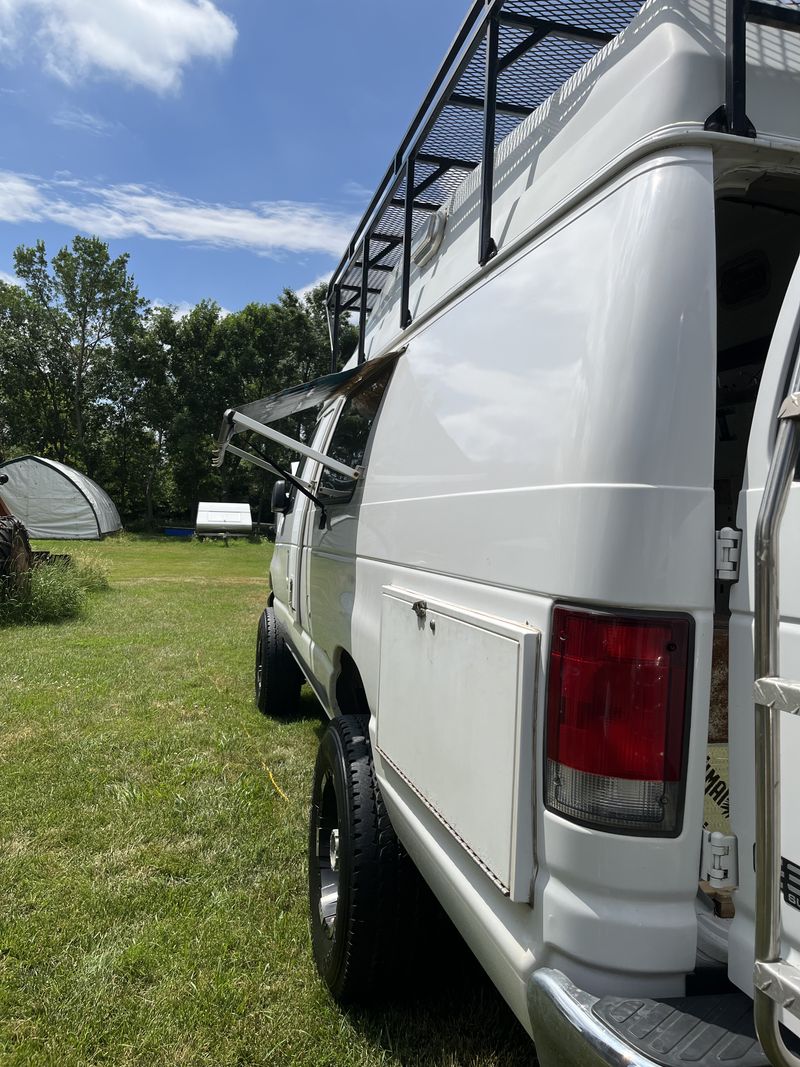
x=52, y=592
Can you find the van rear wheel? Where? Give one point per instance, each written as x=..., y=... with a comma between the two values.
x=277, y=677
x=361, y=882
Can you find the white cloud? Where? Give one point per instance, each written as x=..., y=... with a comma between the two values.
x=9, y=279
x=356, y=190
x=119, y=211
x=74, y=118
x=144, y=42
x=323, y=278
x=183, y=307
x=20, y=200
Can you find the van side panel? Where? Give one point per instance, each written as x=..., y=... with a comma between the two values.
x=550, y=437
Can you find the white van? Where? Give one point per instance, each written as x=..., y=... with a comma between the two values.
x=541, y=511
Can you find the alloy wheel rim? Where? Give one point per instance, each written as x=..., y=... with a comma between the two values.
x=328, y=856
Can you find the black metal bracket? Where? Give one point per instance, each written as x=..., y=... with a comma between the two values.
x=336, y=328
x=298, y=485
x=487, y=248
x=408, y=233
x=731, y=117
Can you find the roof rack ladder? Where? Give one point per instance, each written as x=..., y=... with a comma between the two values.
x=731, y=117
x=777, y=983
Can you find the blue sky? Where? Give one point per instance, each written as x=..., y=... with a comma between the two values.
x=228, y=145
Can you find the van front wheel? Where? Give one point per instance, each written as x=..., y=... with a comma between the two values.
x=277, y=676
x=358, y=872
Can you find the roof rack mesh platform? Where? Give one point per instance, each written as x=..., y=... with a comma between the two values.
x=506, y=60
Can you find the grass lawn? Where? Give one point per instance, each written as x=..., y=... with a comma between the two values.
x=152, y=844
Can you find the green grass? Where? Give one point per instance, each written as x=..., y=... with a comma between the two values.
x=152, y=845
x=54, y=591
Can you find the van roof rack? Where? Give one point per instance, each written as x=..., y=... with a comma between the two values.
x=508, y=57
x=731, y=117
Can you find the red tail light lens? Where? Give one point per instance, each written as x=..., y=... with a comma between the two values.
x=616, y=719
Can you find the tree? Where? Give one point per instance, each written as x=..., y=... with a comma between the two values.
x=61, y=334
x=148, y=366
x=218, y=362
x=133, y=395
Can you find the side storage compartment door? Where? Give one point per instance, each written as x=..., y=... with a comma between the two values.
x=456, y=704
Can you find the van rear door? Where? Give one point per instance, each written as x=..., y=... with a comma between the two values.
x=779, y=371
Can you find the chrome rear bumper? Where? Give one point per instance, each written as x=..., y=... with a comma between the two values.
x=567, y=1033
x=572, y=1028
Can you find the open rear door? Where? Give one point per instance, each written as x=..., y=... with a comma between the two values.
x=765, y=728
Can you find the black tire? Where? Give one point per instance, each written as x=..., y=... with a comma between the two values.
x=15, y=556
x=278, y=679
x=363, y=901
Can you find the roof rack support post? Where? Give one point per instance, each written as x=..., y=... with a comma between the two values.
x=731, y=117
x=488, y=248
x=736, y=69
x=337, y=320
x=362, y=311
x=408, y=229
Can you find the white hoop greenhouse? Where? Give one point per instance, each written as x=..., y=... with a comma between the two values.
x=55, y=501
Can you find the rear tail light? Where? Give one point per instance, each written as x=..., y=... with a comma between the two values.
x=617, y=719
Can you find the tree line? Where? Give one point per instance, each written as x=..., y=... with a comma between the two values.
x=132, y=394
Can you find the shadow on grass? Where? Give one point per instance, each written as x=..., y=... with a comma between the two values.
x=448, y=1013
x=445, y=1011
x=309, y=710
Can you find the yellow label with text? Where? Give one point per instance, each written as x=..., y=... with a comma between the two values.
x=716, y=811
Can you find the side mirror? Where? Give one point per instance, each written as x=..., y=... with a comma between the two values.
x=281, y=498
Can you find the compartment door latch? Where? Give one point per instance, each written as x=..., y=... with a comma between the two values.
x=719, y=864
x=729, y=546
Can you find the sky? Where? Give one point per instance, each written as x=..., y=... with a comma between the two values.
x=229, y=146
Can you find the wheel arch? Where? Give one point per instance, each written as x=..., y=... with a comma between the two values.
x=349, y=691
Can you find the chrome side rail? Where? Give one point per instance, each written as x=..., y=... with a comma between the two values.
x=770, y=995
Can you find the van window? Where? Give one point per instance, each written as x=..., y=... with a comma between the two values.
x=349, y=441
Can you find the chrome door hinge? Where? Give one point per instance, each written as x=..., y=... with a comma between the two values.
x=729, y=546
x=719, y=863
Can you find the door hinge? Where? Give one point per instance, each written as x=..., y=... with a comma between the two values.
x=729, y=545
x=719, y=863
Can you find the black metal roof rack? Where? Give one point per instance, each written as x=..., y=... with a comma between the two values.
x=508, y=57
x=731, y=117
